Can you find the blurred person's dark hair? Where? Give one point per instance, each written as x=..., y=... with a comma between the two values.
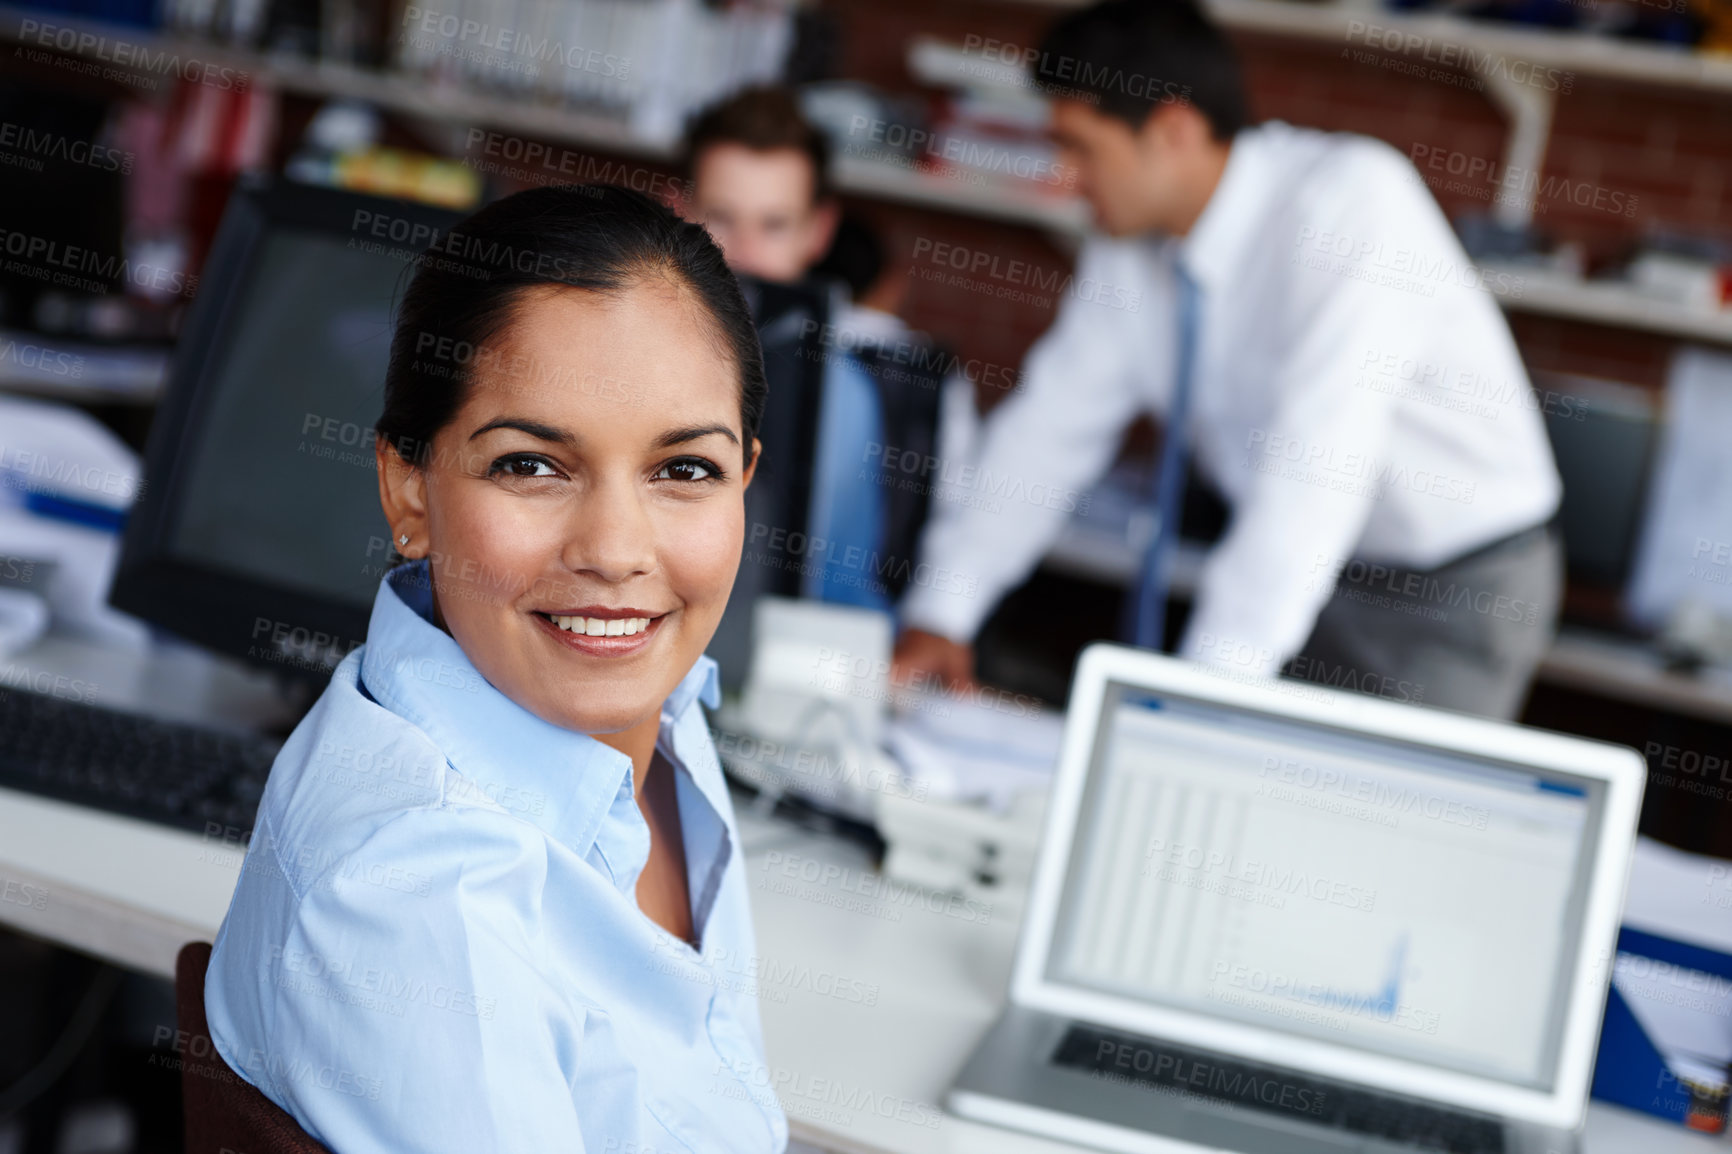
x=1129, y=57
x=763, y=119
x=856, y=257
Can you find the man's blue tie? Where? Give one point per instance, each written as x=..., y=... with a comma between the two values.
x=1146, y=619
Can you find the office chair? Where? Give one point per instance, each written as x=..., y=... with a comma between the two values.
x=221, y=1111
x=790, y=319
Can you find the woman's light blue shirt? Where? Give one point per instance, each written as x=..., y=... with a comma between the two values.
x=435, y=943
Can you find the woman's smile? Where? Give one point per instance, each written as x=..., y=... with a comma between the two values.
x=602, y=632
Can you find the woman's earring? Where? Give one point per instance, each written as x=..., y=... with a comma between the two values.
x=403, y=539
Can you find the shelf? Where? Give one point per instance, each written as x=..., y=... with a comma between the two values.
x=409, y=95
x=415, y=97
x=75, y=371
x=941, y=63
x=992, y=199
x=1582, y=53
x=1610, y=303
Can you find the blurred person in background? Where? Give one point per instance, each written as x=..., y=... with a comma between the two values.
x=1295, y=307
x=759, y=178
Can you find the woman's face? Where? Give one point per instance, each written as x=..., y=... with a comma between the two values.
x=583, y=511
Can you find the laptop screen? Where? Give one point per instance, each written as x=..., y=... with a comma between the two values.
x=1391, y=898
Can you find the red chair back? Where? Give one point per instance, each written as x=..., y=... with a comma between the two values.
x=223, y=1113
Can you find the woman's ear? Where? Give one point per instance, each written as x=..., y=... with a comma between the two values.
x=751, y=468
x=403, y=497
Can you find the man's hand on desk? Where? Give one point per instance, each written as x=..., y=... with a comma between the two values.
x=920, y=655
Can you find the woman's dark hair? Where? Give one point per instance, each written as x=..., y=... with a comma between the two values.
x=1129, y=57
x=595, y=237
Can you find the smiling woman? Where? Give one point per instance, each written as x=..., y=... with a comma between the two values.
x=519, y=741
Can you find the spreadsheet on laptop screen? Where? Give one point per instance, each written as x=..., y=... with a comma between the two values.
x=1382, y=896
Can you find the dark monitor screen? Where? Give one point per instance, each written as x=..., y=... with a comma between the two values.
x=281, y=484
x=259, y=532
x=1603, y=437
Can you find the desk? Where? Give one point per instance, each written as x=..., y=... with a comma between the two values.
x=1624, y=669
x=1605, y=664
x=862, y=1079
x=169, y=679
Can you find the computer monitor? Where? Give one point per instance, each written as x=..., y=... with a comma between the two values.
x=790, y=319
x=1603, y=437
x=258, y=531
x=1415, y=902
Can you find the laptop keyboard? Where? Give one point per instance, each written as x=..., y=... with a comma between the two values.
x=1204, y=1076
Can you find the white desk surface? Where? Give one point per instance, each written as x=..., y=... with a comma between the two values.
x=1606, y=664
x=856, y=1078
x=172, y=680
x=1627, y=670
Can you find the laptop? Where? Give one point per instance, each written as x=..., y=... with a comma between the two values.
x=1272, y=917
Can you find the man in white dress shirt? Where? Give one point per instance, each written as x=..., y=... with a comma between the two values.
x=1350, y=387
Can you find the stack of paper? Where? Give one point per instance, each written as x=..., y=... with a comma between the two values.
x=986, y=748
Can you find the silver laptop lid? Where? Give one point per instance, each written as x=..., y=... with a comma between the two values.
x=1403, y=897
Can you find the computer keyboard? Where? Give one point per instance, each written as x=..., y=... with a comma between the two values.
x=179, y=775
x=1271, y=1090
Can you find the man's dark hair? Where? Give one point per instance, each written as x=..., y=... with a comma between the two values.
x=1130, y=57
x=764, y=119
x=856, y=257
x=595, y=237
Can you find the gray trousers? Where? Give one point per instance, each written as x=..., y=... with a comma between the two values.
x=1466, y=636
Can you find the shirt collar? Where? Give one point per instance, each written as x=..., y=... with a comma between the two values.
x=561, y=780
x=703, y=683
x=1211, y=249
x=858, y=323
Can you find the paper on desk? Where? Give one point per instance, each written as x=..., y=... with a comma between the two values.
x=59, y=452
x=1683, y=896
x=1688, y=1014
x=963, y=750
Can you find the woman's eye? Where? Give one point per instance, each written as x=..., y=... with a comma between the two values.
x=688, y=469
x=523, y=466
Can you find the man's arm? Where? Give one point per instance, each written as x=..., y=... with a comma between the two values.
x=995, y=515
